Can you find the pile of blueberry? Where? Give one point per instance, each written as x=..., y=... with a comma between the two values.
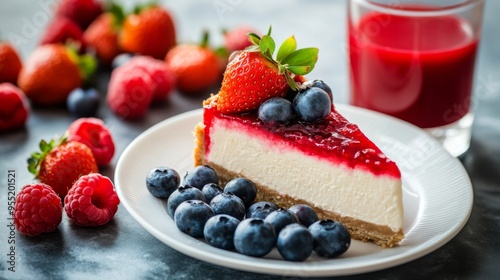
x=313, y=102
x=228, y=218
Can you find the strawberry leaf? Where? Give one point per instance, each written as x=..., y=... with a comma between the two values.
x=288, y=46
x=37, y=158
x=302, y=57
x=300, y=70
x=254, y=38
x=267, y=46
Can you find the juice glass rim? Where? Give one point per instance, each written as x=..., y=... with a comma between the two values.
x=398, y=9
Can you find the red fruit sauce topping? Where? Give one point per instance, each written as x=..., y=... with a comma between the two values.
x=333, y=138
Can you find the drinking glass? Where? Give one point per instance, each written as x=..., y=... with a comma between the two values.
x=415, y=60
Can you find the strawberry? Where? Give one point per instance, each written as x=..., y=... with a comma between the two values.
x=13, y=108
x=60, y=163
x=10, y=64
x=150, y=31
x=237, y=39
x=62, y=30
x=130, y=91
x=253, y=75
x=52, y=71
x=196, y=67
x=82, y=12
x=102, y=36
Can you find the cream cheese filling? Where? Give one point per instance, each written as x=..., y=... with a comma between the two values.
x=348, y=192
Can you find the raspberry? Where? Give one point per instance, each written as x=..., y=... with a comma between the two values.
x=161, y=74
x=92, y=201
x=237, y=39
x=38, y=210
x=13, y=107
x=130, y=91
x=93, y=133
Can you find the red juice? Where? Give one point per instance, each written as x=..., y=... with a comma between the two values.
x=418, y=69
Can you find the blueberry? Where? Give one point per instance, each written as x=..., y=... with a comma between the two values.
x=83, y=103
x=295, y=243
x=230, y=204
x=219, y=231
x=210, y=191
x=276, y=110
x=281, y=218
x=191, y=216
x=305, y=214
x=319, y=84
x=312, y=104
x=331, y=238
x=120, y=59
x=261, y=209
x=254, y=237
x=162, y=181
x=242, y=188
x=199, y=176
x=181, y=194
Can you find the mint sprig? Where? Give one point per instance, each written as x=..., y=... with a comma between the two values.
x=289, y=59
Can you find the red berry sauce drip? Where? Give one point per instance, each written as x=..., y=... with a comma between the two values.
x=333, y=138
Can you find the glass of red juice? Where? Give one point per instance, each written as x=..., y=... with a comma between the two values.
x=414, y=60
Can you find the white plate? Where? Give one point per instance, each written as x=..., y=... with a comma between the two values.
x=437, y=196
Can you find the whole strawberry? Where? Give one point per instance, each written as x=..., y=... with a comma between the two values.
x=96, y=135
x=61, y=31
x=82, y=12
x=60, y=163
x=102, y=34
x=130, y=91
x=149, y=31
x=52, y=71
x=237, y=39
x=10, y=64
x=13, y=107
x=196, y=67
x=38, y=210
x=252, y=76
x=91, y=201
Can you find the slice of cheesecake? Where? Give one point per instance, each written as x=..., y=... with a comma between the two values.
x=330, y=165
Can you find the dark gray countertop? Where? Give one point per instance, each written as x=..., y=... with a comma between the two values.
x=122, y=249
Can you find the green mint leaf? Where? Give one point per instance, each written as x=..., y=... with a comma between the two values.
x=288, y=46
x=267, y=46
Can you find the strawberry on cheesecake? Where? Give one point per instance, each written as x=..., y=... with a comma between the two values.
x=300, y=151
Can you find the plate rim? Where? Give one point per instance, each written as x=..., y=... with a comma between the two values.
x=250, y=266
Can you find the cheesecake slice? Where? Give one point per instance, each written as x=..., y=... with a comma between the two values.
x=329, y=165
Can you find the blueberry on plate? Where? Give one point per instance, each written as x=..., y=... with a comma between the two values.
x=305, y=214
x=261, y=209
x=162, y=181
x=83, y=103
x=319, y=84
x=276, y=110
x=181, y=194
x=331, y=238
x=191, y=217
x=211, y=190
x=295, y=243
x=312, y=104
x=199, y=176
x=219, y=231
x=242, y=188
x=254, y=237
x=281, y=218
x=230, y=204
